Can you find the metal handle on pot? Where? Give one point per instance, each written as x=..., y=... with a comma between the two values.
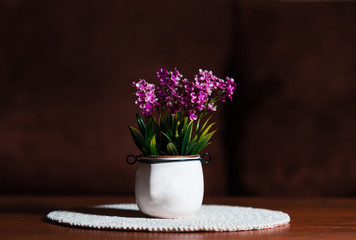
x=209, y=158
x=131, y=156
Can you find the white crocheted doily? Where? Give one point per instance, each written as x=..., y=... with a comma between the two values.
x=213, y=218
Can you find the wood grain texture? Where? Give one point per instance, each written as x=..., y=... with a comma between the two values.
x=314, y=218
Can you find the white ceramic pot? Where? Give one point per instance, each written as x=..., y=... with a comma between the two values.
x=169, y=186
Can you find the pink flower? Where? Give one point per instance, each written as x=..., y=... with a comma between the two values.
x=211, y=107
x=147, y=99
x=192, y=115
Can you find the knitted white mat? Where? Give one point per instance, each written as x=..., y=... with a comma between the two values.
x=212, y=218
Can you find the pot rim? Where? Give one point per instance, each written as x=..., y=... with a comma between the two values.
x=170, y=156
x=167, y=159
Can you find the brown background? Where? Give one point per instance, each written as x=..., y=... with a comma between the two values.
x=66, y=69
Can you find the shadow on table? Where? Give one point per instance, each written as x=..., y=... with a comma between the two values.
x=113, y=212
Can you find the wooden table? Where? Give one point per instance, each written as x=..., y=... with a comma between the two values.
x=314, y=218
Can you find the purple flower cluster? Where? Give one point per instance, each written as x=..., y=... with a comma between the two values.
x=169, y=90
x=146, y=97
x=175, y=94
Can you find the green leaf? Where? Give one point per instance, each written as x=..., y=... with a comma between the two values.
x=169, y=133
x=153, y=146
x=138, y=139
x=206, y=131
x=206, y=122
x=168, y=138
x=183, y=126
x=197, y=127
x=171, y=149
x=149, y=130
x=190, y=147
x=187, y=136
x=172, y=123
x=145, y=151
x=162, y=126
x=141, y=124
x=201, y=148
x=202, y=143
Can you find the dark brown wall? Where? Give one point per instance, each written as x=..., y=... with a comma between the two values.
x=66, y=69
x=297, y=116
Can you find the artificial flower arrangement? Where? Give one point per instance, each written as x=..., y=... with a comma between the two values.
x=176, y=112
x=173, y=130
